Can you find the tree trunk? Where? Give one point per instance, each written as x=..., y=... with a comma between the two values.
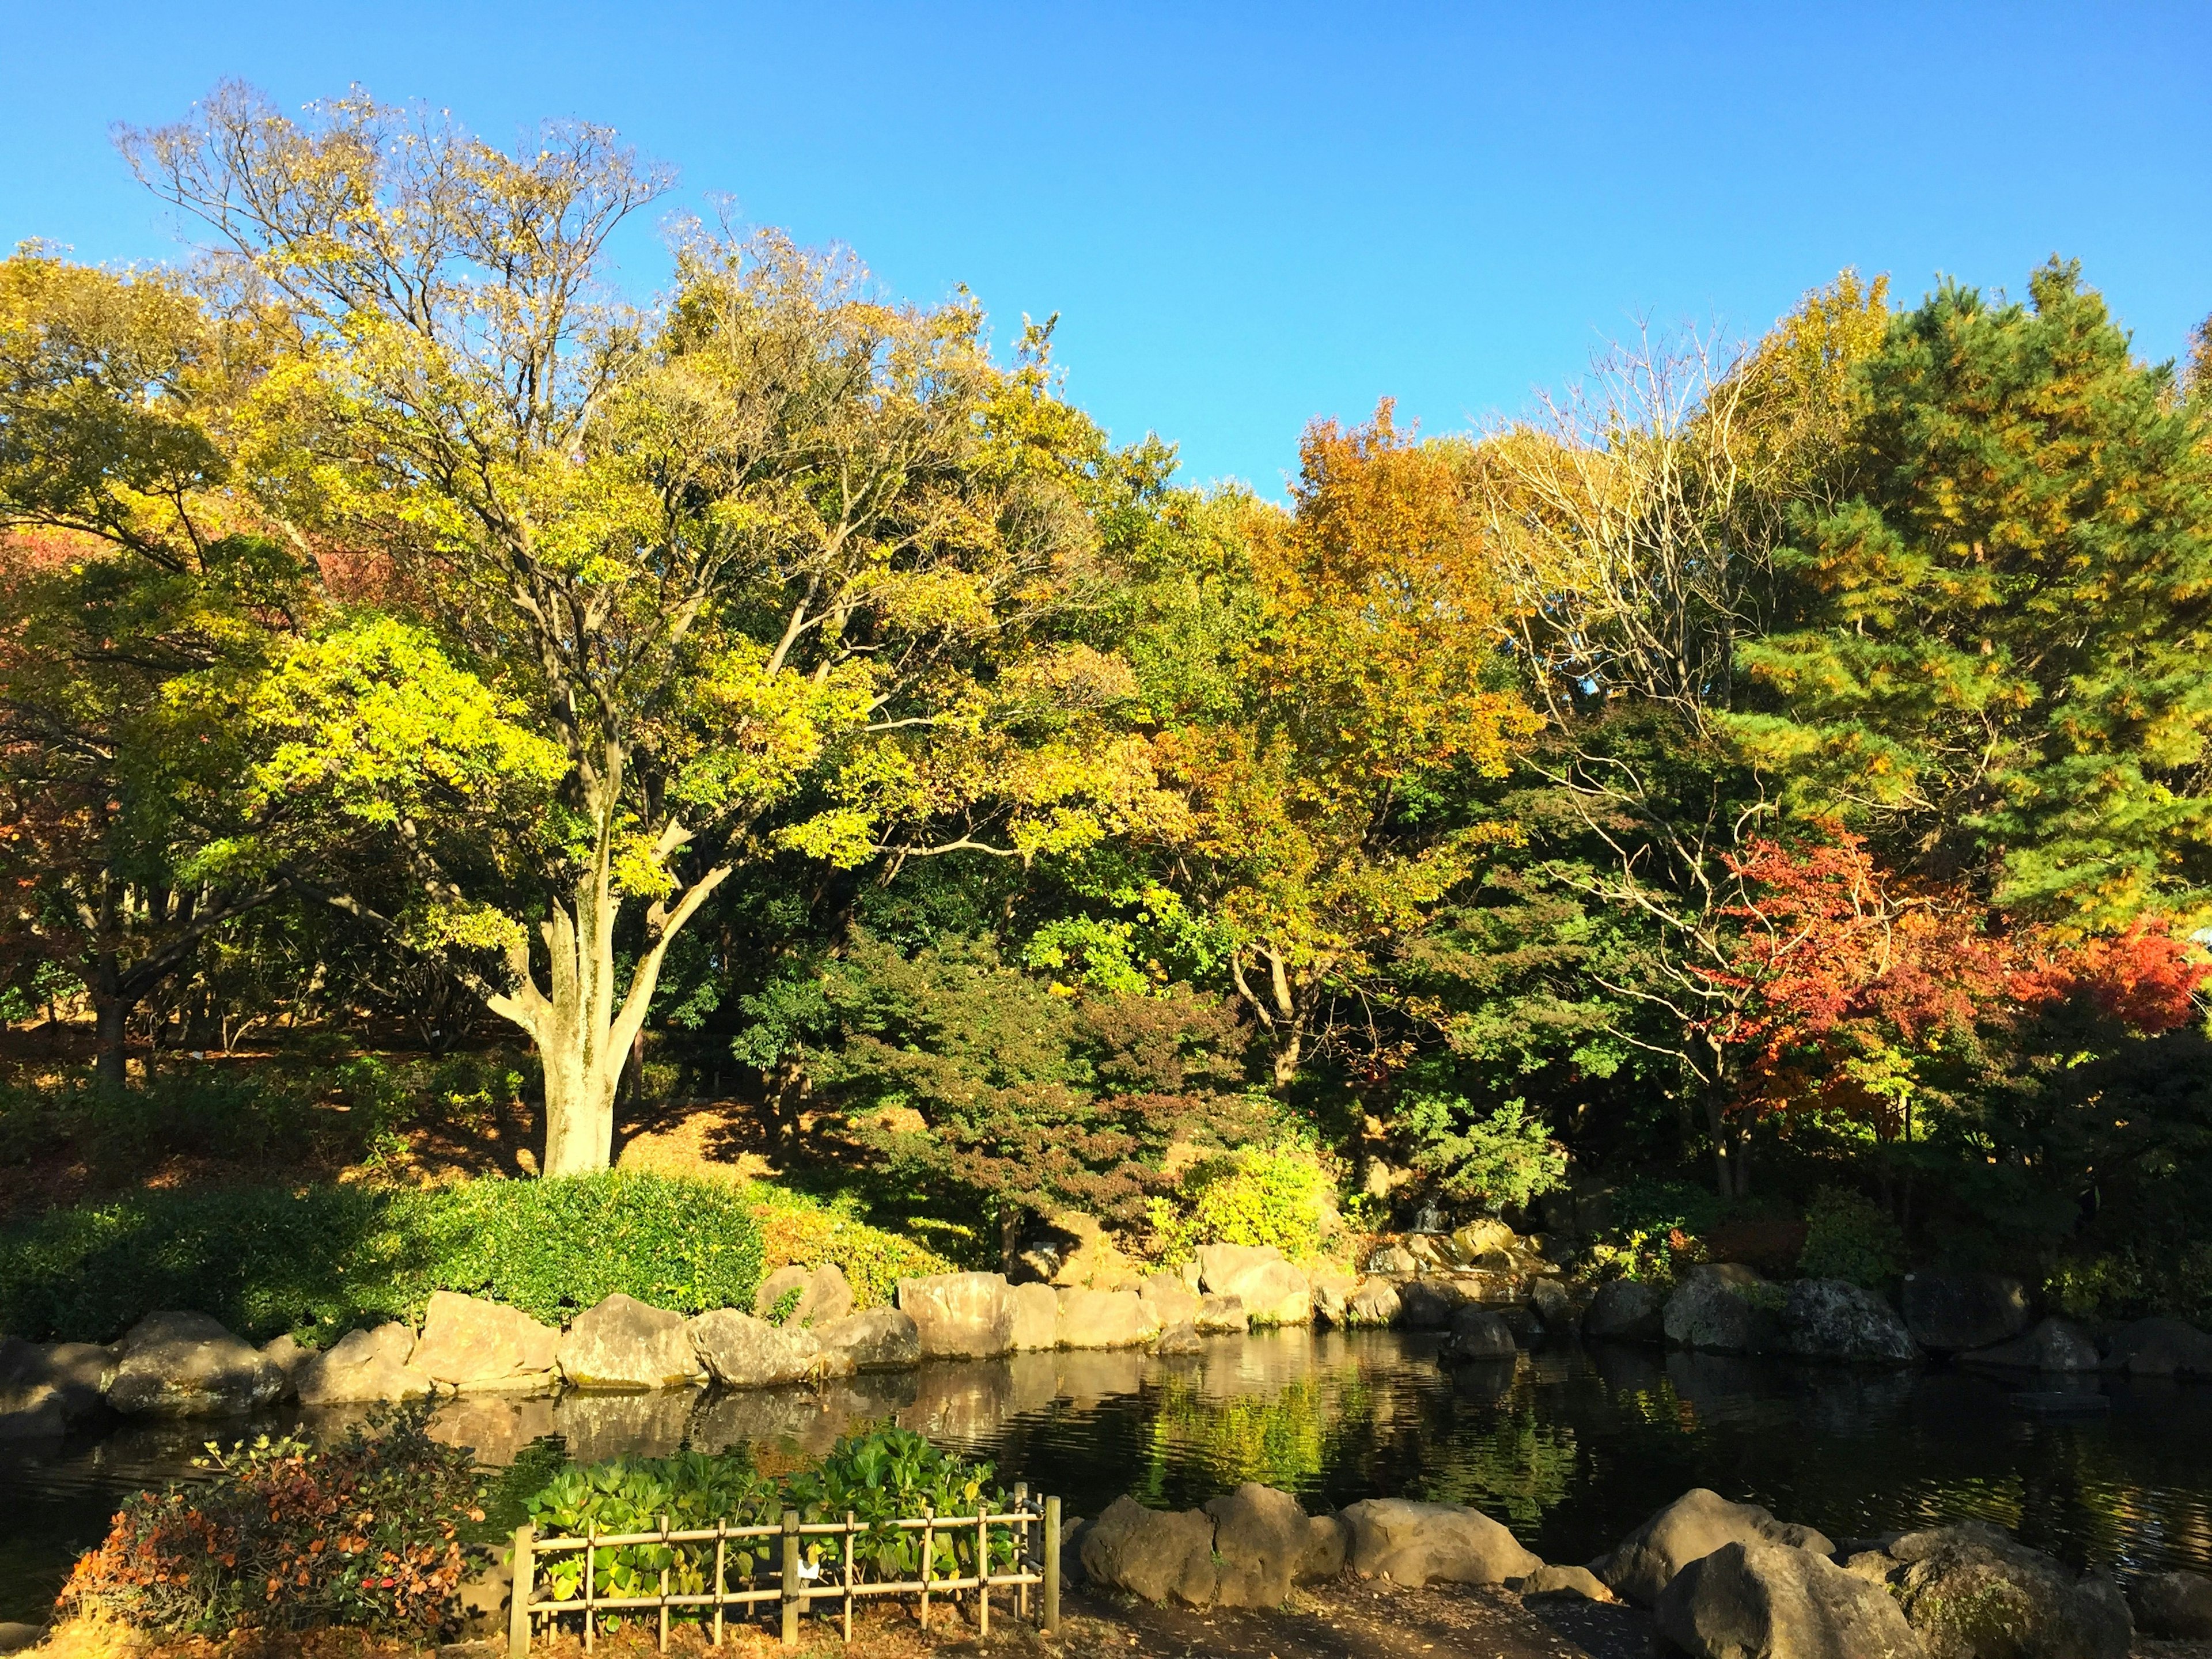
x=1288, y=1041
x=111, y=1065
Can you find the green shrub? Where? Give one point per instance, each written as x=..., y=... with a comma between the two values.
x=284, y=1535
x=1851, y=1238
x=319, y=1261
x=1280, y=1195
x=1501, y=1160
x=799, y=1231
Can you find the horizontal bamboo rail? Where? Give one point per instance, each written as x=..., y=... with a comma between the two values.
x=528, y=1612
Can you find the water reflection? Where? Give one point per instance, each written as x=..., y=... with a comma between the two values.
x=1570, y=1446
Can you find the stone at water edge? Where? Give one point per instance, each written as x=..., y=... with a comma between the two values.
x=1478, y=1333
x=1170, y=1301
x=2162, y=1347
x=1179, y=1340
x=873, y=1339
x=470, y=1343
x=1217, y=1314
x=44, y=1387
x=1152, y=1554
x=1760, y=1601
x=15, y=1637
x=1952, y=1312
x=823, y=1294
x=1428, y=1304
x=1374, y=1302
x=1105, y=1319
x=2054, y=1344
x=1273, y=1291
x=624, y=1343
x=2175, y=1605
x=1626, y=1310
x=1333, y=1286
x=364, y=1366
x=1830, y=1319
x=1574, y=1582
x=1688, y=1529
x=1395, y=1259
x=1723, y=1308
x=1036, y=1316
x=1969, y=1588
x=741, y=1351
x=1414, y=1544
x=1264, y=1542
x=186, y=1365
x=960, y=1316
x=1557, y=1309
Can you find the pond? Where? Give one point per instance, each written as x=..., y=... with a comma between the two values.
x=1570, y=1446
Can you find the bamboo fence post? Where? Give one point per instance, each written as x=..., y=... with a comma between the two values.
x=518, y=1607
x=1052, y=1564
x=1022, y=1549
x=721, y=1585
x=791, y=1579
x=663, y=1586
x=848, y=1577
x=591, y=1548
x=983, y=1564
x=928, y=1553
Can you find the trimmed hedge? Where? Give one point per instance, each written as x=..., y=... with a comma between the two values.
x=319, y=1261
x=799, y=1230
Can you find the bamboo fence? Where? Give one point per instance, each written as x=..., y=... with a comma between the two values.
x=795, y=1589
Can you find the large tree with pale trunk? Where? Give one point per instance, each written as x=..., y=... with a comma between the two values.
x=771, y=566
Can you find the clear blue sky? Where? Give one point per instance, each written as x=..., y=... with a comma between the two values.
x=1250, y=216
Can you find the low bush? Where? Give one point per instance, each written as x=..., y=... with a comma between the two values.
x=799, y=1231
x=284, y=1536
x=321, y=1260
x=1281, y=1195
x=1851, y=1238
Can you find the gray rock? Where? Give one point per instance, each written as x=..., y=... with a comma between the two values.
x=286, y=1354
x=32, y=1411
x=823, y=1294
x=2054, y=1344
x=1478, y=1333
x=1688, y=1529
x=1950, y=1313
x=875, y=1340
x=1036, y=1316
x=1569, y=1584
x=1395, y=1259
x=1221, y=1313
x=2175, y=1605
x=1972, y=1592
x=1372, y=1302
x=1829, y=1319
x=1626, y=1310
x=1181, y=1338
x=1470, y=1245
x=15, y=1636
x=1760, y=1601
x=1428, y=1304
x=45, y=1388
x=1170, y=1301
x=186, y=1365
x=1557, y=1308
x=364, y=1366
x=1332, y=1287
x=1152, y=1554
x=1274, y=1292
x=624, y=1344
x=472, y=1344
x=1723, y=1308
x=1105, y=1319
x=1415, y=1544
x=741, y=1351
x=960, y=1316
x=2162, y=1347
x=1263, y=1543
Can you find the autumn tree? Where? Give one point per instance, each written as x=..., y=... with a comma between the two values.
x=762, y=569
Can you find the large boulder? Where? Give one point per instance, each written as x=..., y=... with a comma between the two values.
x=1274, y=1292
x=2174, y=1605
x=1478, y=1333
x=1972, y=1592
x=1558, y=1308
x=1689, y=1529
x=741, y=1351
x=45, y=1388
x=1626, y=1310
x=823, y=1294
x=186, y=1365
x=1428, y=1304
x=2053, y=1345
x=1760, y=1601
x=1168, y=1301
x=1217, y=1314
x=1395, y=1259
x=1829, y=1319
x=874, y=1340
x=1036, y=1316
x=2162, y=1347
x=1332, y=1287
x=1950, y=1313
x=1152, y=1553
x=1264, y=1542
x=960, y=1316
x=1105, y=1319
x=1372, y=1302
x=1415, y=1544
x=470, y=1345
x=365, y=1365
x=1724, y=1307
x=1482, y=1238
x=624, y=1344
x=1567, y=1583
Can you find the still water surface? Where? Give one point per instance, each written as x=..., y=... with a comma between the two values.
x=1570, y=1446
